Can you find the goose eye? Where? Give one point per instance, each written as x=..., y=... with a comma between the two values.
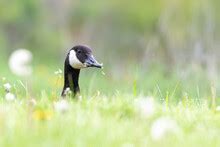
x=79, y=52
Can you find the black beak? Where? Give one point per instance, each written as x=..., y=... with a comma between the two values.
x=91, y=62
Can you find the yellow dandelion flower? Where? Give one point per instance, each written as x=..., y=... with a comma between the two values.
x=42, y=114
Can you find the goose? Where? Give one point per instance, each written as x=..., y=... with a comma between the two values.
x=78, y=57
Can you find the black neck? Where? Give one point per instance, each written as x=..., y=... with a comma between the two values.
x=71, y=78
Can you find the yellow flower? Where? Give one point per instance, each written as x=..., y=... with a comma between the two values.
x=42, y=114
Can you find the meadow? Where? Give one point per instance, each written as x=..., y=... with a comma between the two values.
x=139, y=108
x=160, y=83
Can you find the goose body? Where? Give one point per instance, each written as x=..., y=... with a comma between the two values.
x=78, y=57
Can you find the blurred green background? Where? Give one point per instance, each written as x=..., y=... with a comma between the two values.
x=141, y=31
x=172, y=39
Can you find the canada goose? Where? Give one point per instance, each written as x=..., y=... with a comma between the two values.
x=78, y=57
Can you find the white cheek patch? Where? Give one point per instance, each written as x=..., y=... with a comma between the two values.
x=74, y=61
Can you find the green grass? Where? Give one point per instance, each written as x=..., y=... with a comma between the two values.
x=108, y=114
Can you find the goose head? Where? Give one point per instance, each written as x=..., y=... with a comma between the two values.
x=81, y=57
x=78, y=57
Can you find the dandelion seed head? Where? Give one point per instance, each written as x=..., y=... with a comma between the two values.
x=163, y=127
x=61, y=106
x=146, y=106
x=218, y=108
x=10, y=97
x=80, y=97
x=7, y=87
x=19, y=62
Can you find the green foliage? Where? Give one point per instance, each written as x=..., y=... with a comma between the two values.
x=127, y=29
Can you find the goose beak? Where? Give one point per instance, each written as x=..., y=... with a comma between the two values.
x=91, y=62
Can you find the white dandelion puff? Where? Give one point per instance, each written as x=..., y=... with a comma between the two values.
x=61, y=106
x=218, y=108
x=79, y=97
x=58, y=72
x=146, y=106
x=7, y=87
x=20, y=61
x=9, y=96
x=163, y=127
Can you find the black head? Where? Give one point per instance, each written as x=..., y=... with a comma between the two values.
x=80, y=56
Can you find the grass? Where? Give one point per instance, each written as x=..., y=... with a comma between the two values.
x=108, y=114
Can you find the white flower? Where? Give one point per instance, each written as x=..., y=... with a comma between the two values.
x=67, y=91
x=162, y=127
x=61, y=106
x=7, y=87
x=218, y=108
x=19, y=62
x=10, y=97
x=79, y=97
x=58, y=72
x=146, y=106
